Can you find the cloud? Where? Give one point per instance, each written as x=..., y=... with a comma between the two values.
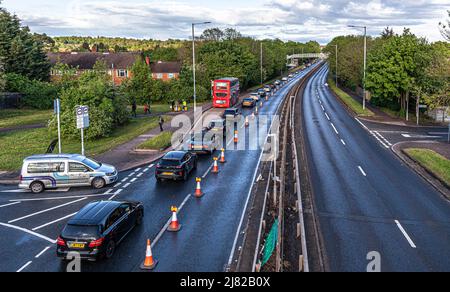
x=286, y=19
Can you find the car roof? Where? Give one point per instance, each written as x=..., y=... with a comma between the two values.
x=174, y=155
x=94, y=213
x=76, y=157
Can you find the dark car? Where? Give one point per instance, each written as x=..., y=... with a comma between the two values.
x=262, y=93
x=176, y=165
x=204, y=142
x=218, y=126
x=231, y=112
x=97, y=229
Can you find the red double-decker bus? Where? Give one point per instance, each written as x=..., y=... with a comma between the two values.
x=225, y=92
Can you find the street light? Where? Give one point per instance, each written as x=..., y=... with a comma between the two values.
x=193, y=62
x=365, y=61
x=336, y=65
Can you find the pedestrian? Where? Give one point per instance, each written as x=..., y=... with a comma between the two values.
x=185, y=108
x=161, y=123
x=134, y=108
x=173, y=105
x=146, y=109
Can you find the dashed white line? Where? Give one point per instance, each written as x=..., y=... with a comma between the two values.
x=364, y=126
x=322, y=107
x=208, y=170
x=343, y=142
x=10, y=204
x=42, y=252
x=24, y=267
x=124, y=180
x=28, y=231
x=137, y=170
x=139, y=175
x=127, y=185
x=117, y=185
x=362, y=171
x=328, y=118
x=57, y=198
x=411, y=243
x=334, y=128
x=115, y=194
x=47, y=210
x=132, y=174
x=133, y=180
x=108, y=191
x=54, y=221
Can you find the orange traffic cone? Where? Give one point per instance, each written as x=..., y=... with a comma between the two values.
x=216, y=166
x=198, y=190
x=175, y=226
x=149, y=263
x=222, y=156
x=236, y=137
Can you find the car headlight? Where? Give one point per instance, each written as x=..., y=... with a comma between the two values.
x=111, y=174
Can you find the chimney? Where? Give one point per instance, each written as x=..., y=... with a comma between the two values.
x=147, y=60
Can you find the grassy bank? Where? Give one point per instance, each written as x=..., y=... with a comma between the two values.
x=354, y=105
x=433, y=162
x=19, y=144
x=21, y=117
x=162, y=141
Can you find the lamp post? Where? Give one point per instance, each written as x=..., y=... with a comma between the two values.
x=336, y=65
x=365, y=61
x=193, y=63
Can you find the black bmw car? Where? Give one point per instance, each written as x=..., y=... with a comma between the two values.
x=97, y=229
x=176, y=165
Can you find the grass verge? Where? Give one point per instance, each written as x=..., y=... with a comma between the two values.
x=433, y=162
x=21, y=117
x=162, y=141
x=17, y=145
x=354, y=105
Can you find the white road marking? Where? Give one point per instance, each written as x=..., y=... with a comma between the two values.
x=42, y=252
x=364, y=126
x=133, y=180
x=24, y=267
x=108, y=191
x=124, y=180
x=322, y=107
x=334, y=128
x=383, y=138
x=327, y=116
x=362, y=170
x=139, y=175
x=29, y=232
x=127, y=185
x=164, y=229
x=117, y=185
x=131, y=174
x=54, y=221
x=56, y=198
x=411, y=243
x=137, y=170
x=47, y=210
x=343, y=142
x=207, y=171
x=11, y=204
x=145, y=170
x=116, y=194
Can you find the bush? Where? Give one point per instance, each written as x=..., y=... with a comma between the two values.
x=37, y=94
x=107, y=107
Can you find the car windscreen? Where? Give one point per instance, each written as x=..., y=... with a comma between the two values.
x=169, y=162
x=248, y=99
x=92, y=163
x=230, y=112
x=81, y=231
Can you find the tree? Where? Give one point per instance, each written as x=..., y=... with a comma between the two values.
x=2, y=77
x=232, y=34
x=21, y=51
x=445, y=28
x=212, y=34
x=139, y=87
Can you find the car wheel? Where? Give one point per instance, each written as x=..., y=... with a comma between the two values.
x=98, y=183
x=139, y=219
x=37, y=187
x=110, y=249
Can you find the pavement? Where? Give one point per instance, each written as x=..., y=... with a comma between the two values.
x=367, y=200
x=30, y=223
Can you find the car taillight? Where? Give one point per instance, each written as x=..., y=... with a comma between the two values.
x=179, y=167
x=60, y=242
x=96, y=243
x=21, y=178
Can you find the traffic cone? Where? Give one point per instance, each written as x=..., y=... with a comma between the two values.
x=149, y=263
x=247, y=123
x=174, y=226
x=222, y=156
x=198, y=190
x=216, y=166
x=236, y=137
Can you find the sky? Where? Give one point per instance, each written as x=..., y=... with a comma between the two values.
x=296, y=20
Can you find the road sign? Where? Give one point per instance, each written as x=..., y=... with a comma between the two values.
x=423, y=106
x=57, y=108
x=82, y=117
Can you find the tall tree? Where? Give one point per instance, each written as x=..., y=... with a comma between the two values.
x=445, y=28
x=212, y=34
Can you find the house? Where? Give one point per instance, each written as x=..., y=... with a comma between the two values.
x=165, y=71
x=118, y=64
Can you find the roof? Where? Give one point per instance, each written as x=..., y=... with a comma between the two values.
x=56, y=156
x=174, y=155
x=94, y=213
x=86, y=61
x=228, y=79
x=166, y=67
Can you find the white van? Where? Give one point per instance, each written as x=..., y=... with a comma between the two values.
x=51, y=171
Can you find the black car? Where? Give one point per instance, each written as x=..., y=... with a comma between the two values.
x=231, y=112
x=262, y=93
x=176, y=165
x=97, y=229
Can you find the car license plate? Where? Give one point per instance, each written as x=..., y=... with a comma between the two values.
x=167, y=173
x=198, y=147
x=77, y=245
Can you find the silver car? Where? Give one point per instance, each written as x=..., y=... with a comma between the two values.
x=51, y=171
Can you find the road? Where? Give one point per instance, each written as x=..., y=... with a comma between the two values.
x=29, y=224
x=366, y=199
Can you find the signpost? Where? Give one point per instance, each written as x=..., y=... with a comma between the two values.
x=82, y=123
x=57, y=109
